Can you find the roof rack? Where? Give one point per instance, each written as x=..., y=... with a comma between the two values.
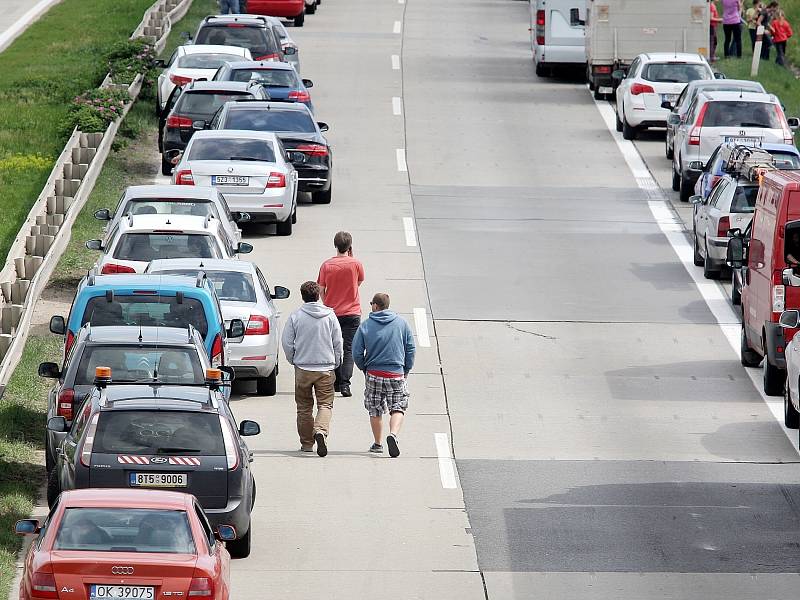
x=750, y=162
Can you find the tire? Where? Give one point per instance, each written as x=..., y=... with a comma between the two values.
x=628, y=132
x=750, y=358
x=284, y=228
x=166, y=167
x=791, y=418
x=322, y=197
x=708, y=271
x=267, y=386
x=53, y=488
x=774, y=379
x=300, y=19
x=676, y=180
x=241, y=548
x=310, y=10
x=699, y=261
x=618, y=122
x=686, y=190
x=541, y=70
x=294, y=215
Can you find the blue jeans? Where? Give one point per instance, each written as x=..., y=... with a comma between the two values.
x=228, y=6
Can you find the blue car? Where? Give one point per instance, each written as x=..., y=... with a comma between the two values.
x=280, y=79
x=787, y=157
x=150, y=301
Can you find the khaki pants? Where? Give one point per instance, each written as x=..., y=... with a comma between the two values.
x=307, y=384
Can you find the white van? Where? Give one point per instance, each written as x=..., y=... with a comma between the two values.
x=557, y=34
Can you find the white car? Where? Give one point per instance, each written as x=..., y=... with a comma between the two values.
x=244, y=294
x=652, y=82
x=250, y=168
x=191, y=62
x=137, y=240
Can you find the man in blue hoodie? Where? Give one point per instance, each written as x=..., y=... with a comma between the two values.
x=383, y=348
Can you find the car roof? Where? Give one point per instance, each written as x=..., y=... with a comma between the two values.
x=674, y=57
x=712, y=84
x=125, y=498
x=203, y=264
x=738, y=95
x=786, y=148
x=178, y=192
x=164, y=283
x=266, y=104
x=246, y=134
x=272, y=65
x=130, y=334
x=146, y=396
x=222, y=86
x=214, y=49
x=185, y=223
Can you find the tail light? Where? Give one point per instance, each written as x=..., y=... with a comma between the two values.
x=694, y=134
x=201, y=586
x=257, y=325
x=114, y=269
x=44, y=585
x=65, y=399
x=312, y=149
x=216, y=350
x=778, y=292
x=788, y=135
x=86, y=451
x=540, y=23
x=602, y=70
x=184, y=177
x=179, y=122
x=273, y=56
x=299, y=96
x=723, y=226
x=180, y=80
x=276, y=180
x=231, y=452
x=68, y=343
x=641, y=88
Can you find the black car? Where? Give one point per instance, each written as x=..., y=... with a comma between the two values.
x=302, y=137
x=189, y=108
x=253, y=32
x=165, y=436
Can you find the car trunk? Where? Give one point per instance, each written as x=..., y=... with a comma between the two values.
x=711, y=137
x=664, y=92
x=238, y=177
x=236, y=310
x=298, y=141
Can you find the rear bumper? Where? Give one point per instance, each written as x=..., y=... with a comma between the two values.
x=551, y=54
x=262, y=207
x=313, y=180
x=245, y=356
x=276, y=8
x=235, y=513
x=648, y=117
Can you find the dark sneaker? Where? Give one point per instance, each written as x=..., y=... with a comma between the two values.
x=322, y=447
x=391, y=442
x=336, y=388
x=376, y=448
x=346, y=391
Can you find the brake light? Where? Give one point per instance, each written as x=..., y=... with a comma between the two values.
x=723, y=226
x=778, y=292
x=312, y=149
x=216, y=350
x=114, y=269
x=68, y=343
x=86, y=452
x=184, y=177
x=201, y=586
x=694, y=134
x=276, y=180
x=179, y=122
x=231, y=453
x=272, y=56
x=641, y=88
x=602, y=69
x=298, y=96
x=65, y=399
x=788, y=134
x=540, y=23
x=180, y=80
x=44, y=585
x=257, y=325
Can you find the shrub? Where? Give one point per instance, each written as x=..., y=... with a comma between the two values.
x=95, y=110
x=129, y=58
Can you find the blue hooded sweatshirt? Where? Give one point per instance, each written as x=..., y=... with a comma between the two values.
x=384, y=342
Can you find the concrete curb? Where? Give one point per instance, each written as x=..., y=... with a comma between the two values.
x=30, y=17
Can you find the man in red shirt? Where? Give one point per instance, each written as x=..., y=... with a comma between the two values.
x=339, y=278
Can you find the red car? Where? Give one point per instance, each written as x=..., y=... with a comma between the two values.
x=287, y=9
x=107, y=544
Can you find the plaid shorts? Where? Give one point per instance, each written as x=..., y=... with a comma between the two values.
x=382, y=394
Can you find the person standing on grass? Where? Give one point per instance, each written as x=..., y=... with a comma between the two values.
x=715, y=20
x=781, y=32
x=339, y=278
x=384, y=349
x=751, y=16
x=732, y=27
x=765, y=19
x=312, y=342
x=229, y=6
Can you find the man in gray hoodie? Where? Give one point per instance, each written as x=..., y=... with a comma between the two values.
x=312, y=342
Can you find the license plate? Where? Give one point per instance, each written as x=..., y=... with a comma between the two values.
x=229, y=180
x=669, y=97
x=746, y=141
x=158, y=480
x=128, y=592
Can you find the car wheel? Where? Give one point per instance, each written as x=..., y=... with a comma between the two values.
x=750, y=358
x=708, y=271
x=267, y=386
x=628, y=132
x=541, y=70
x=686, y=189
x=774, y=379
x=618, y=122
x=284, y=227
x=322, y=197
x=791, y=418
x=300, y=19
x=736, y=294
x=53, y=488
x=166, y=167
x=699, y=261
x=294, y=215
x=310, y=10
x=241, y=548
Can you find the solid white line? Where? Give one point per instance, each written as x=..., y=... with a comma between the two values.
x=401, y=160
x=421, y=324
x=395, y=62
x=398, y=27
x=21, y=24
x=447, y=471
x=713, y=293
x=397, y=106
x=411, y=236
x=401, y=1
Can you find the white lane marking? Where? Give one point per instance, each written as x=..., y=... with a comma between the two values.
x=411, y=236
x=395, y=62
x=398, y=27
x=397, y=106
x=401, y=1
x=23, y=22
x=401, y=160
x=447, y=471
x=421, y=324
x=713, y=293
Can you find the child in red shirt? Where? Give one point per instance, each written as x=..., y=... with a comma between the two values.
x=781, y=32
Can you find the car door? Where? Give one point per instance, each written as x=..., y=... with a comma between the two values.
x=718, y=203
x=69, y=447
x=701, y=187
x=162, y=118
x=680, y=135
x=703, y=214
x=624, y=86
x=163, y=78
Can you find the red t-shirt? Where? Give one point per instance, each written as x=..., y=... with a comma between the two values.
x=340, y=277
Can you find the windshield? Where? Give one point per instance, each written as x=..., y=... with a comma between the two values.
x=145, y=247
x=229, y=285
x=675, y=72
x=158, y=432
x=736, y=113
x=179, y=366
x=270, y=120
x=206, y=102
x=125, y=530
x=148, y=309
x=786, y=161
x=228, y=149
x=167, y=206
x=266, y=77
x=253, y=38
x=206, y=61
x=744, y=199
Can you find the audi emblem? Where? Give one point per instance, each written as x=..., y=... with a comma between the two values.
x=159, y=460
x=122, y=570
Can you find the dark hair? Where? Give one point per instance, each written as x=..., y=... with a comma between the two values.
x=310, y=291
x=343, y=241
x=381, y=300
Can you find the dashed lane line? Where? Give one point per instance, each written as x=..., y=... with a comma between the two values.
x=408, y=227
x=421, y=325
x=396, y=62
x=397, y=106
x=447, y=472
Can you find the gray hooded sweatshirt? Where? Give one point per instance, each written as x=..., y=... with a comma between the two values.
x=312, y=338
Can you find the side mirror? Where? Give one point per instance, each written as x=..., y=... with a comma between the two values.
x=198, y=125
x=236, y=328
x=228, y=373
x=718, y=75
x=696, y=165
x=242, y=217
x=94, y=245
x=159, y=63
x=57, y=424
x=667, y=104
x=308, y=83
x=27, y=527
x=49, y=370
x=289, y=50
x=735, y=256
x=322, y=126
x=247, y=428
x=102, y=215
x=280, y=293
x=789, y=278
x=225, y=533
x=790, y=319
x=244, y=248
x=618, y=75
x=696, y=199
x=673, y=118
x=794, y=123
x=57, y=325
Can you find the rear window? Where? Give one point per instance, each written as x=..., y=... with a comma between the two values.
x=206, y=102
x=786, y=161
x=266, y=77
x=741, y=114
x=744, y=199
x=270, y=120
x=146, y=310
x=229, y=285
x=674, y=72
x=131, y=364
x=152, y=246
x=231, y=149
x=165, y=206
x=253, y=38
x=206, y=61
x=158, y=432
x=125, y=530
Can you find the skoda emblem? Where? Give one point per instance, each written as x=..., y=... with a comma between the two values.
x=122, y=570
x=158, y=460
x=230, y=169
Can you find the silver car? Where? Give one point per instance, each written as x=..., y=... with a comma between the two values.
x=244, y=294
x=291, y=51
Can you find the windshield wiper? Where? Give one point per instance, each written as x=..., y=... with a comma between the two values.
x=245, y=158
x=173, y=449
